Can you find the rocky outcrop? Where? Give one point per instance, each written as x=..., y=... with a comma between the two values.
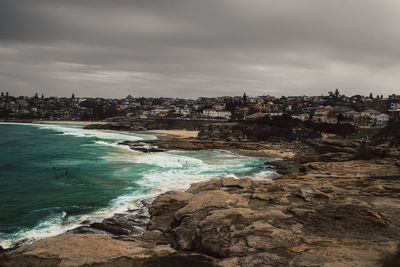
x=98, y=250
x=147, y=147
x=327, y=214
x=128, y=124
x=322, y=214
x=252, y=131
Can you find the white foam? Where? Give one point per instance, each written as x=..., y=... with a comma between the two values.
x=50, y=226
x=101, y=134
x=173, y=170
x=79, y=131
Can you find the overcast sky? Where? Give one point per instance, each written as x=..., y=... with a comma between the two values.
x=191, y=48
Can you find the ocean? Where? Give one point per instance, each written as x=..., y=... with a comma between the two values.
x=53, y=177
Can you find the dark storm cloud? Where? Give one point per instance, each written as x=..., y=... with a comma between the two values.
x=191, y=48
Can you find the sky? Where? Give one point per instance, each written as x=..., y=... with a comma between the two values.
x=192, y=48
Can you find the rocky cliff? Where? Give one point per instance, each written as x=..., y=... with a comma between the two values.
x=251, y=131
x=127, y=124
x=323, y=214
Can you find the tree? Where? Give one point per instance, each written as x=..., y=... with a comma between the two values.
x=237, y=116
x=230, y=106
x=6, y=94
x=340, y=118
x=244, y=98
x=2, y=94
x=42, y=96
x=371, y=96
x=73, y=96
x=36, y=95
x=337, y=93
x=381, y=96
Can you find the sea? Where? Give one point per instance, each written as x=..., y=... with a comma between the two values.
x=53, y=177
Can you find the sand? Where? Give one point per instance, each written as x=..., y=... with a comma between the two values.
x=70, y=122
x=177, y=133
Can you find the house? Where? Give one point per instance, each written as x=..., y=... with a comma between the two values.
x=324, y=114
x=394, y=106
x=395, y=110
x=219, y=106
x=377, y=106
x=394, y=97
x=351, y=116
x=217, y=113
x=368, y=118
x=274, y=114
x=302, y=117
x=372, y=113
x=382, y=120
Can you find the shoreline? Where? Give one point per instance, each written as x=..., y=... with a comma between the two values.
x=164, y=135
x=83, y=123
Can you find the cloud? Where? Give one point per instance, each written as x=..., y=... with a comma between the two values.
x=189, y=48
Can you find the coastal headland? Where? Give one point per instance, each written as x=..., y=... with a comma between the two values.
x=335, y=203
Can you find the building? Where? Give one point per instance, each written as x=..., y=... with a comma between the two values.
x=382, y=120
x=302, y=117
x=368, y=118
x=211, y=113
x=324, y=114
x=351, y=116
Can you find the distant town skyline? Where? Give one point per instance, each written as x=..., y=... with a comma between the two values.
x=188, y=48
x=39, y=95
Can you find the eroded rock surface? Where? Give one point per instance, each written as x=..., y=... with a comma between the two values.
x=98, y=250
x=320, y=218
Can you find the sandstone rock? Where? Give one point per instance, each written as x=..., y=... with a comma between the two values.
x=98, y=250
x=286, y=222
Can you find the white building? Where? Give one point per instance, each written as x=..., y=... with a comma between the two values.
x=395, y=106
x=302, y=117
x=382, y=120
x=219, y=106
x=211, y=113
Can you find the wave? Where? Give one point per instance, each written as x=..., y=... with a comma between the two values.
x=78, y=131
x=49, y=226
x=161, y=172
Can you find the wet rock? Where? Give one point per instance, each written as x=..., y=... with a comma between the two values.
x=110, y=228
x=88, y=230
x=146, y=147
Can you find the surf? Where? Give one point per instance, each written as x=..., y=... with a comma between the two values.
x=100, y=170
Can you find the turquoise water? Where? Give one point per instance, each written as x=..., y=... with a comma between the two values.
x=52, y=177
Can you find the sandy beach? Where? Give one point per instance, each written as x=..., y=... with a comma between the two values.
x=176, y=133
x=70, y=122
